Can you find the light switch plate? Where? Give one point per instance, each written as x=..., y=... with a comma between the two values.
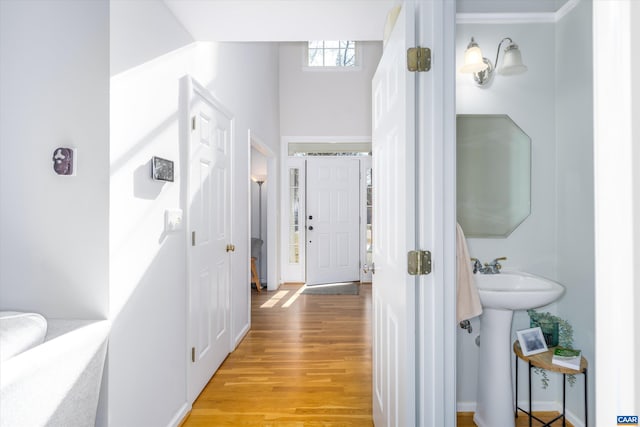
x=172, y=220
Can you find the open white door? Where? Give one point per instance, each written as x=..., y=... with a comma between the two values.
x=209, y=227
x=414, y=208
x=333, y=220
x=393, y=146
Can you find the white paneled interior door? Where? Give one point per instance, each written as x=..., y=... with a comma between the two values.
x=394, y=232
x=209, y=227
x=333, y=220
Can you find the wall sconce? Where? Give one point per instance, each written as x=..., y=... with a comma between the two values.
x=482, y=68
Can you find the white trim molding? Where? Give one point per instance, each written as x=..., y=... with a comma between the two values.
x=325, y=139
x=517, y=18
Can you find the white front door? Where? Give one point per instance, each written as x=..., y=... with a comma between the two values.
x=333, y=220
x=394, y=229
x=208, y=213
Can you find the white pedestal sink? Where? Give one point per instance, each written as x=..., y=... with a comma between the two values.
x=500, y=295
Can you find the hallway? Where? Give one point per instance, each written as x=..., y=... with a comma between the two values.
x=306, y=361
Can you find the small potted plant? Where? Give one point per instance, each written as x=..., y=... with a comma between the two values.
x=557, y=332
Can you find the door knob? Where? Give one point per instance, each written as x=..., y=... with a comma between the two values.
x=230, y=248
x=311, y=228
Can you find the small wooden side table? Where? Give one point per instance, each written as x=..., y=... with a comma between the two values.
x=543, y=360
x=254, y=275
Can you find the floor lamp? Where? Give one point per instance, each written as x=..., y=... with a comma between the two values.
x=259, y=179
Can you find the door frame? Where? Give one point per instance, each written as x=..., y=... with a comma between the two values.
x=298, y=273
x=272, y=230
x=616, y=197
x=436, y=296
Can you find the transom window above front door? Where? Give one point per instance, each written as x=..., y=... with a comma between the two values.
x=335, y=54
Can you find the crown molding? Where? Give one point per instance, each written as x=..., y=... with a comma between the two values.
x=566, y=8
x=505, y=18
x=517, y=18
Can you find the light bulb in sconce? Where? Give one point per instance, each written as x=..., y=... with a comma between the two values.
x=473, y=59
x=482, y=68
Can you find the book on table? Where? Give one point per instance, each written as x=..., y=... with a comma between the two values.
x=567, y=357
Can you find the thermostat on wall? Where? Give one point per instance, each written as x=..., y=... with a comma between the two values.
x=161, y=169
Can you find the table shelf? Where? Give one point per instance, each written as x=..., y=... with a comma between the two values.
x=543, y=361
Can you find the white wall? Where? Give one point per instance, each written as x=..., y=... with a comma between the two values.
x=325, y=103
x=148, y=266
x=574, y=145
x=54, y=86
x=132, y=43
x=529, y=99
x=148, y=271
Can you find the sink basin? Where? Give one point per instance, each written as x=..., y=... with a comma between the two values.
x=515, y=290
x=500, y=295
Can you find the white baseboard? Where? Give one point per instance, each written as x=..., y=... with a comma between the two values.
x=572, y=418
x=241, y=336
x=537, y=406
x=180, y=415
x=466, y=406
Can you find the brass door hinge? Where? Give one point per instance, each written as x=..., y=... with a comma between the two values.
x=418, y=262
x=193, y=123
x=193, y=238
x=418, y=59
x=193, y=354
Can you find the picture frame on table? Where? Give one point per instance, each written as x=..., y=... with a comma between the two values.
x=532, y=341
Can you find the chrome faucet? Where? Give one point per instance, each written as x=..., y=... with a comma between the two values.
x=492, y=267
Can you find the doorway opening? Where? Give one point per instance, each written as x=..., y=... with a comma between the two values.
x=327, y=203
x=263, y=224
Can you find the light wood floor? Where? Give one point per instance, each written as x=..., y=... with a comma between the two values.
x=305, y=362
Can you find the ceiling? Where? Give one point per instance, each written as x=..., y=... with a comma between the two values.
x=294, y=20
x=282, y=20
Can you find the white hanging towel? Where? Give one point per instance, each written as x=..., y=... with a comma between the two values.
x=468, y=305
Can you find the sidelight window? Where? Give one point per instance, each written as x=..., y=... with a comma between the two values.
x=294, y=216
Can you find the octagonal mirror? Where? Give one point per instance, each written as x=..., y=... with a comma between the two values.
x=493, y=175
